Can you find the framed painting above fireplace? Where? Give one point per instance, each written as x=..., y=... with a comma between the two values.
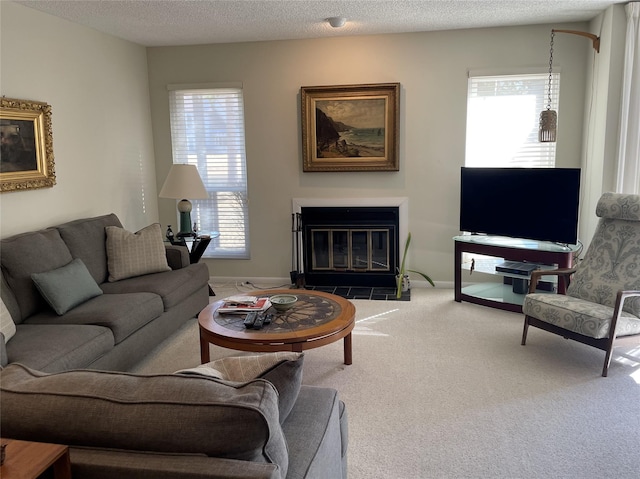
x=351, y=127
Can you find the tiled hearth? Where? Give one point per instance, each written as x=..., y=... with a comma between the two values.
x=358, y=292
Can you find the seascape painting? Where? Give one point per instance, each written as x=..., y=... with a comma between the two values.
x=350, y=127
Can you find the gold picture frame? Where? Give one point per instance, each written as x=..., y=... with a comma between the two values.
x=26, y=155
x=351, y=127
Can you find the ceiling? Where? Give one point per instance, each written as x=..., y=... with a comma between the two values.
x=191, y=22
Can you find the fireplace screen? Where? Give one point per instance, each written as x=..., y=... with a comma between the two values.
x=350, y=246
x=359, y=250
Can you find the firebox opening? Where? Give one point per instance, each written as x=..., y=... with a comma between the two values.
x=350, y=246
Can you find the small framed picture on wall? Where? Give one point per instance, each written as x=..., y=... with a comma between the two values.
x=26, y=142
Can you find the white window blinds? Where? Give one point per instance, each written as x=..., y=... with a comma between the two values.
x=503, y=115
x=207, y=130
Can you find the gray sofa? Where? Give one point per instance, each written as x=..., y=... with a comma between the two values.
x=64, y=376
x=121, y=322
x=181, y=426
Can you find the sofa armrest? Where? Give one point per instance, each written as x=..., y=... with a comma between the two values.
x=4, y=360
x=177, y=256
x=109, y=463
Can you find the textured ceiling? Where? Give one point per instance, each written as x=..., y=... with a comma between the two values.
x=190, y=22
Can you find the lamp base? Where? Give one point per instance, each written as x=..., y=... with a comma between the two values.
x=186, y=230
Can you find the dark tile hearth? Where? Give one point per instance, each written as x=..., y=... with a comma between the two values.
x=363, y=292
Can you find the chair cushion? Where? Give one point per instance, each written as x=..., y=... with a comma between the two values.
x=610, y=265
x=577, y=315
x=619, y=206
x=282, y=369
x=66, y=287
x=134, y=254
x=162, y=413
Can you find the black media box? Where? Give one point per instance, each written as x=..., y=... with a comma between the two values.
x=515, y=267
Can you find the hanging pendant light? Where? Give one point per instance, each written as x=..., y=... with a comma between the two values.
x=548, y=117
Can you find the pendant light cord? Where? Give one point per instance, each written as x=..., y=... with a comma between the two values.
x=550, y=69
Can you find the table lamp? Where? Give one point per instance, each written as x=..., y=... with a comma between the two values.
x=183, y=181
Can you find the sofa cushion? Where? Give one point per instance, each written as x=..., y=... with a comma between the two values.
x=58, y=347
x=134, y=254
x=316, y=435
x=282, y=369
x=7, y=326
x=172, y=286
x=66, y=287
x=123, y=314
x=28, y=253
x=162, y=413
x=86, y=239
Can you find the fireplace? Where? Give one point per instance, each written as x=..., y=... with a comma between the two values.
x=350, y=245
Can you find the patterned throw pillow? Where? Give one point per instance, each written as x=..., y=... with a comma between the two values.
x=7, y=326
x=134, y=254
x=282, y=369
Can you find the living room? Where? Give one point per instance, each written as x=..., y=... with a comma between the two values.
x=111, y=134
x=112, y=147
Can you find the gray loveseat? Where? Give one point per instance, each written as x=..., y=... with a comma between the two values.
x=125, y=317
x=181, y=425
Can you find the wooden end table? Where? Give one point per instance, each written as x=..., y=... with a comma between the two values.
x=28, y=460
x=317, y=319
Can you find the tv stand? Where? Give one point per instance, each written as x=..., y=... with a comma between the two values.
x=487, y=252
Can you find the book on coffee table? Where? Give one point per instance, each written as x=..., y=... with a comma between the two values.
x=245, y=305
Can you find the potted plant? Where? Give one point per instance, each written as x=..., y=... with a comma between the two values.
x=402, y=279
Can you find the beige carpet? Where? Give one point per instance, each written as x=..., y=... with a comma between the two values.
x=440, y=389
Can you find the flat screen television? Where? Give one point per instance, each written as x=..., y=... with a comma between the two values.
x=500, y=201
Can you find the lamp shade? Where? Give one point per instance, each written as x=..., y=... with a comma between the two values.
x=183, y=181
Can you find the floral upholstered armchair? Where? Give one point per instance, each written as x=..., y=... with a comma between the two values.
x=602, y=304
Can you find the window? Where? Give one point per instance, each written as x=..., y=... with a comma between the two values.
x=207, y=130
x=503, y=114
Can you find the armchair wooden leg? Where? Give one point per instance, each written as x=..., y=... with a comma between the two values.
x=607, y=361
x=525, y=330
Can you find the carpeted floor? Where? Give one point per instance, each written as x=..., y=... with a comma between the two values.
x=440, y=389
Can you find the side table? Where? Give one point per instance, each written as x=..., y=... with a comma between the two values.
x=198, y=246
x=28, y=460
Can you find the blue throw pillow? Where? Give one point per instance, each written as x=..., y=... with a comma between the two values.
x=67, y=287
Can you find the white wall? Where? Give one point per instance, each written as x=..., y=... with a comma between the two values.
x=104, y=148
x=432, y=69
x=97, y=87
x=604, y=76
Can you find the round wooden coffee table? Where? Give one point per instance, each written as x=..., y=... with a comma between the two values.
x=317, y=319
